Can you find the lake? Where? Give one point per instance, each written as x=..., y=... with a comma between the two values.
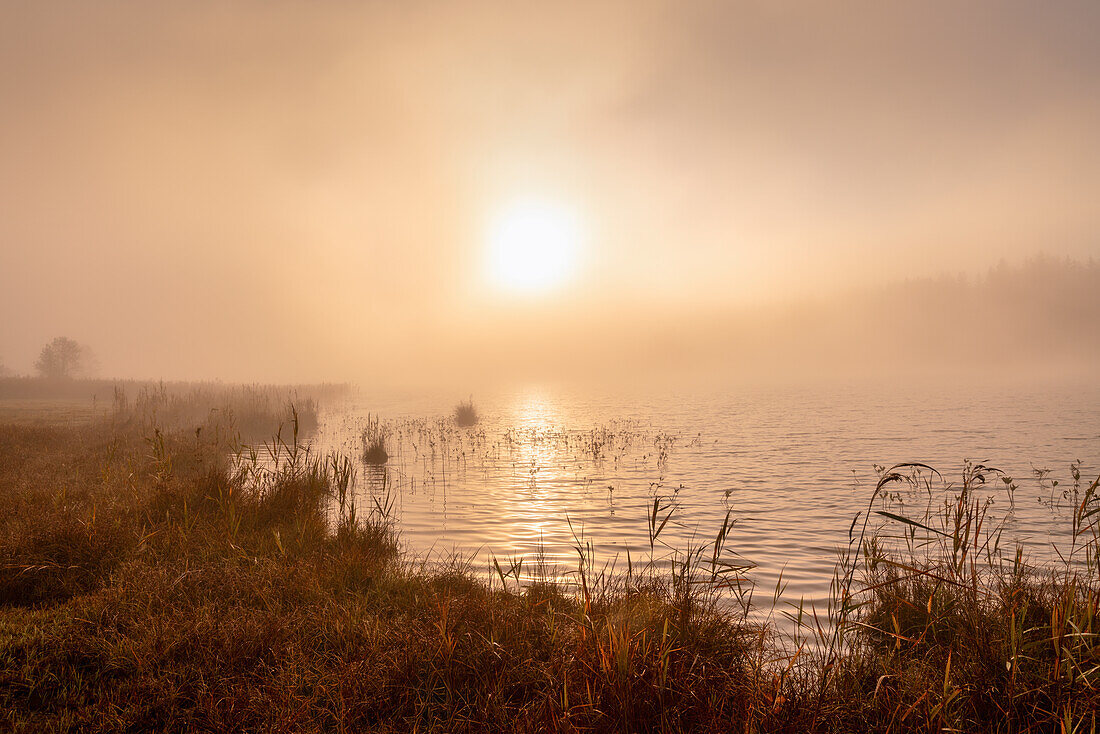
x=792, y=465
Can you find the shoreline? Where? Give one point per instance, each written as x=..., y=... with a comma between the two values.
x=144, y=584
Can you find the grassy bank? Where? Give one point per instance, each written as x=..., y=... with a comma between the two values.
x=148, y=582
x=252, y=412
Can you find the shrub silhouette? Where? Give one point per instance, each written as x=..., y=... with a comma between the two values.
x=62, y=358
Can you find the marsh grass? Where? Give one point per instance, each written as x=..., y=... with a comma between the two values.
x=243, y=412
x=957, y=631
x=159, y=578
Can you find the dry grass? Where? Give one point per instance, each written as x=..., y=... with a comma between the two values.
x=245, y=412
x=149, y=580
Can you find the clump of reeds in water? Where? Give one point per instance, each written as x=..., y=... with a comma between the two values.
x=466, y=414
x=374, y=443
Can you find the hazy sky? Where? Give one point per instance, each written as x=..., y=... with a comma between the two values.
x=276, y=190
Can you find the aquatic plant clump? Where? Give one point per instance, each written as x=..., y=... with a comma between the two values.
x=374, y=443
x=466, y=415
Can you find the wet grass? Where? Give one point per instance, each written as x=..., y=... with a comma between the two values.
x=168, y=578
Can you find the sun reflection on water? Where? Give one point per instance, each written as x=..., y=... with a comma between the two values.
x=542, y=464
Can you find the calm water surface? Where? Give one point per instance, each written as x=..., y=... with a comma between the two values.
x=792, y=465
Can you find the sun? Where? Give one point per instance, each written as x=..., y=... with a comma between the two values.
x=533, y=245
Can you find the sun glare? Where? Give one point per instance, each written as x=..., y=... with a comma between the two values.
x=533, y=245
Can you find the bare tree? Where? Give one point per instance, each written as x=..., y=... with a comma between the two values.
x=62, y=358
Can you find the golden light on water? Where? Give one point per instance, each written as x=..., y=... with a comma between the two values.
x=535, y=456
x=535, y=412
x=533, y=245
x=539, y=467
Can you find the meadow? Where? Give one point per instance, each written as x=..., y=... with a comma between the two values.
x=180, y=560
